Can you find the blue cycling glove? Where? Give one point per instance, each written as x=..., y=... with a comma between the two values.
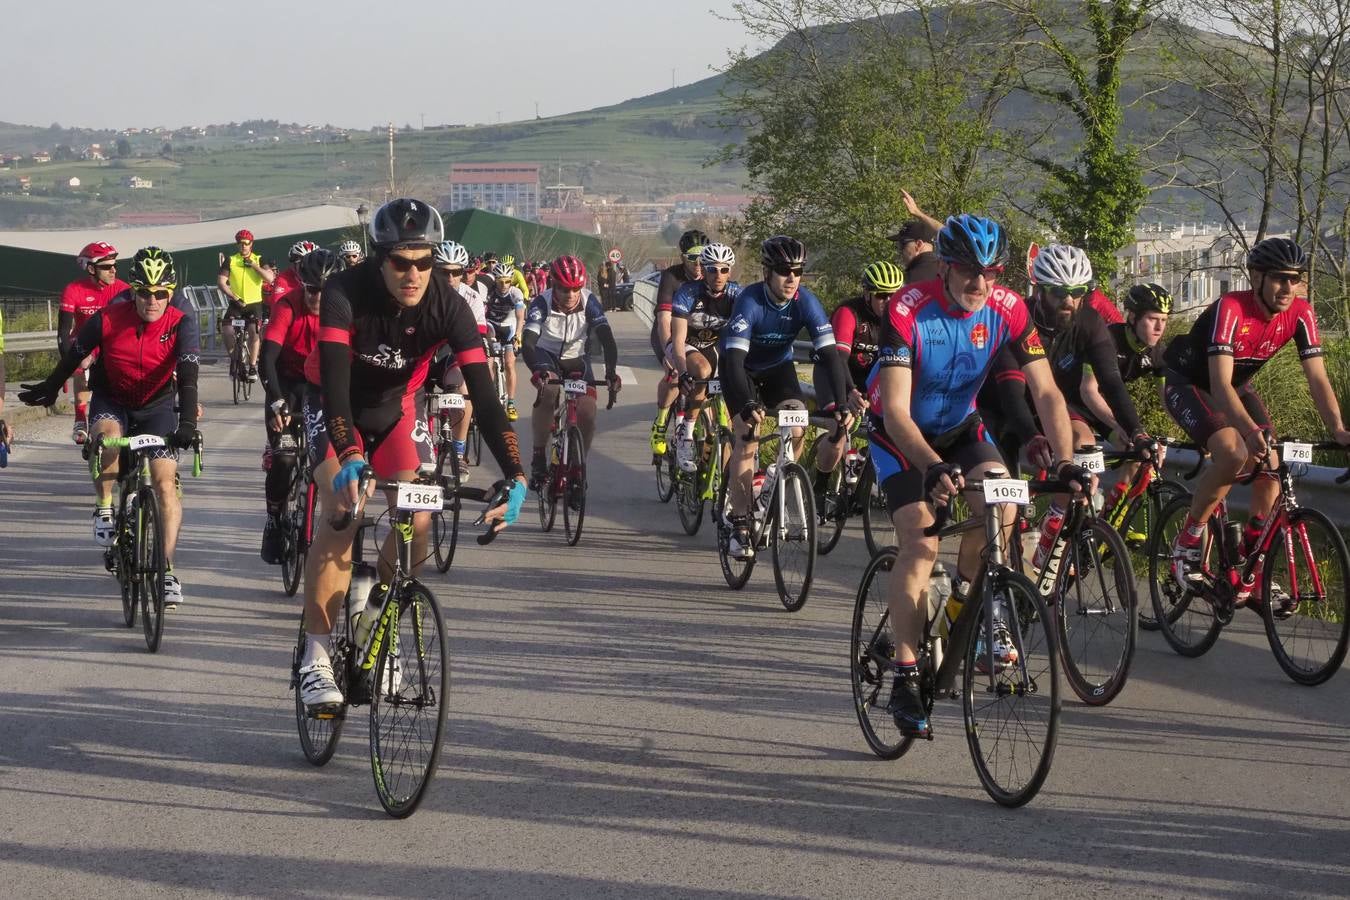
x=349, y=474
x=514, y=501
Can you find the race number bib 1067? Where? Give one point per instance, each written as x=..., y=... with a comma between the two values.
x=1006, y=490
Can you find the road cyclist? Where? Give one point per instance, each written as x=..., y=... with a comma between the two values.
x=687, y=269
x=80, y=299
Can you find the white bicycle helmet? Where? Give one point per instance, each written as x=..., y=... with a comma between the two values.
x=717, y=255
x=1060, y=264
x=348, y=247
x=451, y=255
x=300, y=248
x=502, y=270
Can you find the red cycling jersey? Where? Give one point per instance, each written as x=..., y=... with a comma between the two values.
x=138, y=359
x=1239, y=325
x=85, y=296
x=296, y=330
x=1104, y=307
x=286, y=283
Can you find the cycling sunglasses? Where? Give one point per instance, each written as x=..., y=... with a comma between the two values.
x=402, y=264
x=786, y=271
x=989, y=272
x=720, y=270
x=455, y=273
x=106, y=267
x=156, y=293
x=1076, y=291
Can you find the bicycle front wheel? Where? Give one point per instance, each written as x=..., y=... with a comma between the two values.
x=1012, y=713
x=1096, y=613
x=292, y=532
x=665, y=464
x=574, y=496
x=871, y=660
x=410, y=686
x=878, y=530
x=735, y=571
x=1143, y=519
x=150, y=567
x=319, y=733
x=829, y=528
x=124, y=558
x=1184, y=617
x=793, y=535
x=473, y=444
x=445, y=522
x=1306, y=589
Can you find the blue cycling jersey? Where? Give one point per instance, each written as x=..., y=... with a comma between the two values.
x=707, y=315
x=765, y=329
x=949, y=349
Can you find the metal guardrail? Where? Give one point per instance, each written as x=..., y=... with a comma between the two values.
x=208, y=302
x=28, y=341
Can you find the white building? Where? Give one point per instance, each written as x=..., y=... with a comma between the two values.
x=1195, y=262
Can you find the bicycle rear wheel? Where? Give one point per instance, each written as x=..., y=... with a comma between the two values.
x=793, y=535
x=548, y=498
x=319, y=734
x=1307, y=627
x=445, y=522
x=236, y=381
x=473, y=444
x=1138, y=527
x=574, y=495
x=1012, y=715
x=149, y=573
x=410, y=686
x=689, y=485
x=735, y=571
x=1096, y=615
x=1184, y=617
x=830, y=528
x=871, y=660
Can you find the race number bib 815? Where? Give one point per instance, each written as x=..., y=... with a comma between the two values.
x=145, y=441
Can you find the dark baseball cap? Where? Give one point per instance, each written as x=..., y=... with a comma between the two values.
x=915, y=230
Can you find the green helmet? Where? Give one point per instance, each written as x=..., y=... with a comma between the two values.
x=153, y=267
x=883, y=276
x=1144, y=298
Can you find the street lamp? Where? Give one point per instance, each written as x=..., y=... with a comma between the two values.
x=363, y=216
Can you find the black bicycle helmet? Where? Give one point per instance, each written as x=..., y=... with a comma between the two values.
x=317, y=265
x=1277, y=255
x=152, y=267
x=781, y=250
x=692, y=238
x=406, y=223
x=1144, y=298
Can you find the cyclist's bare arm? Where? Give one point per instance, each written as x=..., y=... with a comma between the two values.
x=1095, y=402
x=1049, y=403
x=897, y=383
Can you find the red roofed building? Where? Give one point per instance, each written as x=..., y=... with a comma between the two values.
x=511, y=189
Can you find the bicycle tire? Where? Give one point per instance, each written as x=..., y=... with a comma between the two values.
x=689, y=485
x=878, y=531
x=665, y=465
x=830, y=529
x=1008, y=779
x=445, y=522
x=1104, y=626
x=402, y=757
x=1185, y=619
x=548, y=498
x=150, y=567
x=247, y=389
x=1142, y=519
x=1311, y=620
x=319, y=736
x=235, y=383
x=795, y=539
x=124, y=558
x=574, y=492
x=292, y=530
x=735, y=571
x=871, y=658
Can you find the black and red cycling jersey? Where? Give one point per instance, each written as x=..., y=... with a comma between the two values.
x=285, y=284
x=1240, y=326
x=295, y=330
x=374, y=353
x=858, y=331
x=80, y=300
x=138, y=360
x=1098, y=301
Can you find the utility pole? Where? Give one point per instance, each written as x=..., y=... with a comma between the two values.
x=672, y=79
x=391, y=159
x=424, y=121
x=499, y=117
x=536, y=109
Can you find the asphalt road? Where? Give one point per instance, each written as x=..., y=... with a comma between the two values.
x=621, y=724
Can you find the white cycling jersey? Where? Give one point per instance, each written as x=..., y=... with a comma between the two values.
x=476, y=297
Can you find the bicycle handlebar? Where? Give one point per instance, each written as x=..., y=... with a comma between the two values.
x=119, y=443
x=613, y=394
x=1035, y=486
x=495, y=496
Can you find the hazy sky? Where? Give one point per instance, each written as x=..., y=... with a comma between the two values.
x=154, y=62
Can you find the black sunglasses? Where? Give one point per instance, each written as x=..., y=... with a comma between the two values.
x=158, y=293
x=455, y=273
x=785, y=271
x=402, y=264
x=106, y=267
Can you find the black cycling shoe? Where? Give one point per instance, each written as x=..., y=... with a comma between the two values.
x=272, y=543
x=907, y=708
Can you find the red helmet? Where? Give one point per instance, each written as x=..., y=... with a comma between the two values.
x=95, y=252
x=243, y=234
x=568, y=272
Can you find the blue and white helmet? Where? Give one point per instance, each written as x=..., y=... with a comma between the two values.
x=972, y=241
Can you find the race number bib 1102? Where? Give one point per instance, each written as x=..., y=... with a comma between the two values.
x=793, y=418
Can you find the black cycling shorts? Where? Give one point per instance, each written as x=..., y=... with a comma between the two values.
x=1194, y=409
